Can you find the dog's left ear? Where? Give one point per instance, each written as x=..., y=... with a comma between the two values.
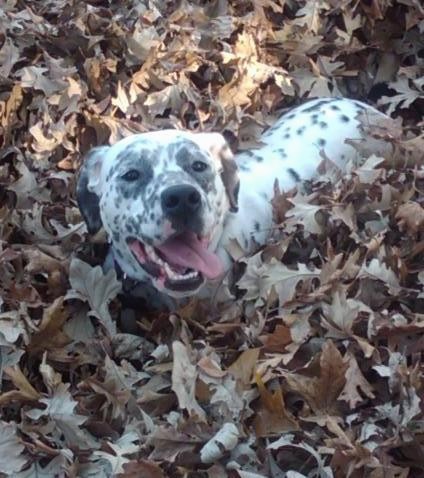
x=88, y=189
x=221, y=152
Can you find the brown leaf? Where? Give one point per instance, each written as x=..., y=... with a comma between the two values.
x=244, y=367
x=277, y=340
x=322, y=392
x=141, y=468
x=50, y=334
x=184, y=377
x=25, y=390
x=272, y=417
x=410, y=217
x=90, y=284
x=355, y=383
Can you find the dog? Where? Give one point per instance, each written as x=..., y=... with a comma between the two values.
x=172, y=201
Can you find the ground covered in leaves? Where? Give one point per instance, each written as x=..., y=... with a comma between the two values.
x=317, y=370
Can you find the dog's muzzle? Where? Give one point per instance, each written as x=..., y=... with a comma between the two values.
x=183, y=261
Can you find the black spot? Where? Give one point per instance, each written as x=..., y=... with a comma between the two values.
x=291, y=116
x=295, y=175
x=300, y=130
x=158, y=237
x=246, y=243
x=158, y=222
x=257, y=226
x=152, y=216
x=249, y=153
x=343, y=156
x=335, y=107
x=280, y=151
x=132, y=223
x=316, y=106
x=129, y=228
x=321, y=142
x=118, y=251
x=258, y=158
x=287, y=136
x=323, y=124
x=344, y=118
x=315, y=118
x=116, y=236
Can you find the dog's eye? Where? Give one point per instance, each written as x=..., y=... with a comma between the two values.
x=131, y=175
x=199, y=166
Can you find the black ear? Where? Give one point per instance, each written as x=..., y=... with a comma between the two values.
x=87, y=191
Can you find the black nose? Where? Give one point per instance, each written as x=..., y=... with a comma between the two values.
x=180, y=201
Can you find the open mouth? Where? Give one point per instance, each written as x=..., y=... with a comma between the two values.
x=182, y=262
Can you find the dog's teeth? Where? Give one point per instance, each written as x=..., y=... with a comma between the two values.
x=152, y=255
x=170, y=272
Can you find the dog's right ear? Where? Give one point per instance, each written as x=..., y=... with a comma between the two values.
x=88, y=188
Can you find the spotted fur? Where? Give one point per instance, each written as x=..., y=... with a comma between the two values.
x=291, y=152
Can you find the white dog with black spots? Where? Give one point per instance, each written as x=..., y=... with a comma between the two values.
x=171, y=201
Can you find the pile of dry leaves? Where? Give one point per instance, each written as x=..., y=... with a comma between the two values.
x=316, y=371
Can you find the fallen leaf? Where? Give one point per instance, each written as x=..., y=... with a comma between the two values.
x=322, y=392
x=184, y=377
x=355, y=383
x=410, y=217
x=12, y=458
x=98, y=289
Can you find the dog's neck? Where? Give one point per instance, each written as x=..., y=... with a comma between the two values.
x=252, y=225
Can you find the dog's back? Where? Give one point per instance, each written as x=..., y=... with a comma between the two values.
x=292, y=150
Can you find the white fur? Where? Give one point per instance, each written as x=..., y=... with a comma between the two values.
x=292, y=150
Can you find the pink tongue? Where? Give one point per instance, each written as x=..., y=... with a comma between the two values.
x=187, y=250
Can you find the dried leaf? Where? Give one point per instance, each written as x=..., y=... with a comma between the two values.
x=355, y=383
x=322, y=392
x=184, y=380
x=12, y=459
x=98, y=289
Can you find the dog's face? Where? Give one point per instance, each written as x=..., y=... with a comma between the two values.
x=162, y=198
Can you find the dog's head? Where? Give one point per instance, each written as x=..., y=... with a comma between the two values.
x=162, y=198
